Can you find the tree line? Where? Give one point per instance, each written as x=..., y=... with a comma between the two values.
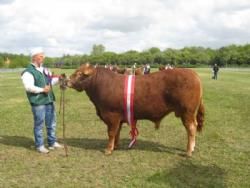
x=232, y=55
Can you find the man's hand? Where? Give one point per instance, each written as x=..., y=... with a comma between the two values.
x=46, y=89
x=63, y=81
x=62, y=76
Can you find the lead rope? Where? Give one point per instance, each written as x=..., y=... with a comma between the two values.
x=63, y=85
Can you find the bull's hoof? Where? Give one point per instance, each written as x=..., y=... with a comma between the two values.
x=189, y=154
x=107, y=152
x=157, y=126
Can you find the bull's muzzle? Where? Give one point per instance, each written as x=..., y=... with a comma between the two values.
x=69, y=83
x=63, y=82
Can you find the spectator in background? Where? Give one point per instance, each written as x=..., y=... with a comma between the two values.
x=215, y=71
x=147, y=69
x=168, y=66
x=133, y=69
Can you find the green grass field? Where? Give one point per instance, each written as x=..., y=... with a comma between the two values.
x=221, y=159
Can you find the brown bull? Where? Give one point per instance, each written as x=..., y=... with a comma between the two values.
x=156, y=95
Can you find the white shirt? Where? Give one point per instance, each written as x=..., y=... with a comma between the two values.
x=29, y=81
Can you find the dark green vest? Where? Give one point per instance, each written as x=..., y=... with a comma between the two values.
x=41, y=80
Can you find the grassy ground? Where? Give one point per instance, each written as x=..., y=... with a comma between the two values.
x=221, y=159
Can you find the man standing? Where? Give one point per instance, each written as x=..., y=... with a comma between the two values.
x=215, y=71
x=133, y=68
x=147, y=70
x=38, y=83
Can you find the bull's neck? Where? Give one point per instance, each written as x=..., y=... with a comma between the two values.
x=91, y=85
x=100, y=76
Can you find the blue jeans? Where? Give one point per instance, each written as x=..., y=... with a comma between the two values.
x=44, y=113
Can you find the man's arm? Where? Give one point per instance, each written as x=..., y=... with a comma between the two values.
x=28, y=82
x=54, y=79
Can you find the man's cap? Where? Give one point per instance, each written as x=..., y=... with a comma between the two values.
x=35, y=51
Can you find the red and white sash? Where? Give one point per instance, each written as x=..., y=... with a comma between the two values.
x=129, y=88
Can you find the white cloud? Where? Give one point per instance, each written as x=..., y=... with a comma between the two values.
x=73, y=27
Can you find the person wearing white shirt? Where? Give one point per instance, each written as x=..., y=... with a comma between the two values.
x=38, y=82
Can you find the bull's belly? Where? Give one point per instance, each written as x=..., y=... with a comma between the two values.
x=151, y=113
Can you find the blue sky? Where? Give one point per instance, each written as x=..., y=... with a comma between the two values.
x=74, y=26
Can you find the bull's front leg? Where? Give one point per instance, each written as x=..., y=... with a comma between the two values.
x=113, y=123
x=112, y=131
x=117, y=137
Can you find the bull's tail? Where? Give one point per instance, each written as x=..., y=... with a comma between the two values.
x=200, y=116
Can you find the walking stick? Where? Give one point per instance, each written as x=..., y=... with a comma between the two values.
x=63, y=85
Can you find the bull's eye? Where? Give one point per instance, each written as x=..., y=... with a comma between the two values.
x=79, y=73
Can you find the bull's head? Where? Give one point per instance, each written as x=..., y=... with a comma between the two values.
x=81, y=78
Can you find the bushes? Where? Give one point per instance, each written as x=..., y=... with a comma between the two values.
x=13, y=61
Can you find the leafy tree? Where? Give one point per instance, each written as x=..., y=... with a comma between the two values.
x=48, y=62
x=1, y=61
x=146, y=58
x=159, y=58
x=130, y=57
x=154, y=50
x=173, y=56
x=226, y=55
x=98, y=49
x=18, y=61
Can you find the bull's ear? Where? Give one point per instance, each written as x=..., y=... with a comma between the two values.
x=88, y=69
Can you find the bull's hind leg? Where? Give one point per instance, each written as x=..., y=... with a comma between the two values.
x=157, y=124
x=190, y=124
